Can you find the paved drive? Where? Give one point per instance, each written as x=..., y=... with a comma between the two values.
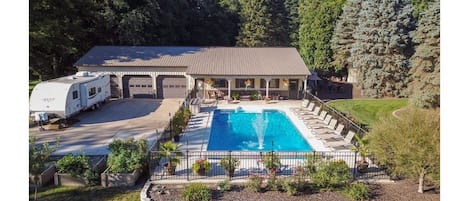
x=138, y=118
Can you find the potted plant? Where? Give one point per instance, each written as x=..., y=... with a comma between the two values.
x=362, y=164
x=272, y=162
x=125, y=162
x=173, y=155
x=229, y=164
x=255, y=95
x=235, y=96
x=201, y=166
x=72, y=170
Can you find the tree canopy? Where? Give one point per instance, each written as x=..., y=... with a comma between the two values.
x=409, y=145
x=425, y=72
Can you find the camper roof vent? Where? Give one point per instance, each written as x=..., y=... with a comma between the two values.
x=82, y=74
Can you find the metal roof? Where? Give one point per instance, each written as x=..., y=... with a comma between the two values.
x=202, y=60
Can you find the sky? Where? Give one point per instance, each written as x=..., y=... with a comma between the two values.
x=14, y=99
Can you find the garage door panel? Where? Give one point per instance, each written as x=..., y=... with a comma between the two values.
x=138, y=87
x=171, y=87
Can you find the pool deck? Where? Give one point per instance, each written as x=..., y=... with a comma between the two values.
x=197, y=134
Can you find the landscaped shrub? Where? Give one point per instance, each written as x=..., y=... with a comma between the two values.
x=127, y=155
x=201, y=164
x=357, y=191
x=332, y=174
x=196, y=192
x=273, y=183
x=224, y=185
x=73, y=165
x=290, y=186
x=255, y=183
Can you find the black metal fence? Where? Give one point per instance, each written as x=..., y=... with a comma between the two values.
x=253, y=163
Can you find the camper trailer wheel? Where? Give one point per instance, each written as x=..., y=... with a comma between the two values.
x=93, y=107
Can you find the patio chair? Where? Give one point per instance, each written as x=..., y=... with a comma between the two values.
x=304, y=104
x=334, y=135
x=309, y=109
x=341, y=144
x=318, y=122
x=325, y=129
x=314, y=115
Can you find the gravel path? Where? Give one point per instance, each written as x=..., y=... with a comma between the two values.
x=403, y=191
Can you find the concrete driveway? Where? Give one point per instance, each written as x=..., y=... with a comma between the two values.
x=138, y=118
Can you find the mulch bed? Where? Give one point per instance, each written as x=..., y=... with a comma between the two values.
x=401, y=190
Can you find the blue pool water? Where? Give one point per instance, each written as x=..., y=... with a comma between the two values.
x=238, y=130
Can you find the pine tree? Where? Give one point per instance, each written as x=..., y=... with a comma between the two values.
x=317, y=22
x=342, y=39
x=255, y=23
x=425, y=62
x=291, y=7
x=279, y=28
x=383, y=47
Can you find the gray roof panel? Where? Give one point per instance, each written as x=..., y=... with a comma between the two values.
x=202, y=60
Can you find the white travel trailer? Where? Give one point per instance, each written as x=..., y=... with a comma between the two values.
x=67, y=96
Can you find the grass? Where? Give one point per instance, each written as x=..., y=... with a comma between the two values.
x=32, y=84
x=368, y=111
x=96, y=193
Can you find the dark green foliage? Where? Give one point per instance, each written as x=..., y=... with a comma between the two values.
x=317, y=22
x=291, y=7
x=357, y=191
x=273, y=183
x=425, y=72
x=127, y=155
x=420, y=6
x=255, y=23
x=271, y=161
x=196, y=192
x=383, y=47
x=254, y=183
x=409, y=146
x=279, y=29
x=332, y=174
x=76, y=165
x=342, y=39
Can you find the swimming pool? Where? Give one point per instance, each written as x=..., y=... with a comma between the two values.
x=249, y=130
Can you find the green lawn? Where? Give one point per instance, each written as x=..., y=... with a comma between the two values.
x=32, y=83
x=368, y=111
x=96, y=193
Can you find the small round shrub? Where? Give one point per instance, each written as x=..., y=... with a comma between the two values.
x=332, y=174
x=74, y=165
x=358, y=191
x=224, y=185
x=254, y=183
x=290, y=186
x=196, y=192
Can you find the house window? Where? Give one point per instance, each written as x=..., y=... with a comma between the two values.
x=241, y=83
x=75, y=94
x=274, y=83
x=99, y=89
x=92, y=91
x=220, y=83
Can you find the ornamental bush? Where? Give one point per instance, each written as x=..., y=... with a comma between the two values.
x=74, y=165
x=332, y=174
x=127, y=155
x=357, y=191
x=254, y=183
x=196, y=192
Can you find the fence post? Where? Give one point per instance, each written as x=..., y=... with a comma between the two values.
x=229, y=165
x=187, y=164
x=355, y=166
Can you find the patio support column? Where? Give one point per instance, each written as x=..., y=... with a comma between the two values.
x=305, y=86
x=267, y=82
x=121, y=85
x=153, y=82
x=229, y=88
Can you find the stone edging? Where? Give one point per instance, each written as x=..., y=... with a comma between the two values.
x=144, y=194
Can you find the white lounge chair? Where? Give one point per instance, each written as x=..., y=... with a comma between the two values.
x=319, y=123
x=314, y=118
x=341, y=144
x=304, y=104
x=332, y=135
x=309, y=109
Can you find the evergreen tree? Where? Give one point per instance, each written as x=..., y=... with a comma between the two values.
x=307, y=11
x=425, y=62
x=342, y=39
x=317, y=22
x=255, y=23
x=279, y=29
x=291, y=7
x=383, y=47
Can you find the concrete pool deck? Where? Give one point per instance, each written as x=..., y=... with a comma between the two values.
x=197, y=134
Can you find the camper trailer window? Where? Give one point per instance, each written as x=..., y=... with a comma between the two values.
x=75, y=95
x=99, y=89
x=92, y=91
